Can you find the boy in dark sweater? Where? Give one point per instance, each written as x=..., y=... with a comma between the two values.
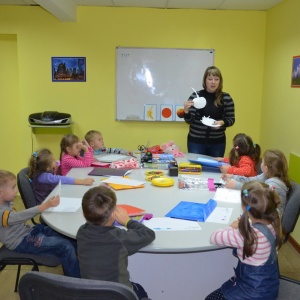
x=103, y=249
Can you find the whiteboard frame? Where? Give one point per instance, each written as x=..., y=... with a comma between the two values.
x=131, y=86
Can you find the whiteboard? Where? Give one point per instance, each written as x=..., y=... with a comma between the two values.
x=153, y=83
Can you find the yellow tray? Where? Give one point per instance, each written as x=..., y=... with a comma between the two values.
x=163, y=181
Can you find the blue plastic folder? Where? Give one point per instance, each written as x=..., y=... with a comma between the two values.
x=208, y=162
x=192, y=211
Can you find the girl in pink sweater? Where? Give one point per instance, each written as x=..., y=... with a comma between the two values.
x=74, y=154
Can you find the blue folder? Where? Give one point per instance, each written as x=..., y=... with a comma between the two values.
x=208, y=162
x=192, y=211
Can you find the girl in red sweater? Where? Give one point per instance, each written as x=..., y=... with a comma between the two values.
x=243, y=157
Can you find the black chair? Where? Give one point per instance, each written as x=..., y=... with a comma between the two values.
x=46, y=286
x=8, y=257
x=292, y=211
x=11, y=258
x=289, y=289
x=25, y=189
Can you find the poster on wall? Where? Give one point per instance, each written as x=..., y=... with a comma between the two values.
x=296, y=72
x=68, y=69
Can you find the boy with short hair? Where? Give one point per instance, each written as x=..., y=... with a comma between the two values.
x=103, y=248
x=95, y=140
x=39, y=239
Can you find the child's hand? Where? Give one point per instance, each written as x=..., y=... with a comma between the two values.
x=52, y=202
x=230, y=184
x=226, y=177
x=219, y=158
x=224, y=168
x=235, y=224
x=121, y=215
x=88, y=181
x=130, y=153
x=83, y=146
x=95, y=159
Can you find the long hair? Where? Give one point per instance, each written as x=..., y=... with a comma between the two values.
x=98, y=203
x=259, y=202
x=243, y=145
x=39, y=162
x=277, y=165
x=67, y=140
x=214, y=71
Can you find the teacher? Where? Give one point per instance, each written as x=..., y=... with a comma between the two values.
x=203, y=139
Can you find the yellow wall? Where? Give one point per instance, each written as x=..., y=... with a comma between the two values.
x=253, y=49
x=280, y=124
x=96, y=34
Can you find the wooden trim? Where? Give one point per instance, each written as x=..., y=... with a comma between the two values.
x=294, y=243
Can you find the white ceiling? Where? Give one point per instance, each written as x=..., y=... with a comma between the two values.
x=66, y=10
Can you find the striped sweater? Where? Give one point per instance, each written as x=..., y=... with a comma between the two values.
x=68, y=162
x=232, y=238
x=202, y=134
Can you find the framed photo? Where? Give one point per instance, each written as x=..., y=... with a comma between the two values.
x=70, y=69
x=296, y=72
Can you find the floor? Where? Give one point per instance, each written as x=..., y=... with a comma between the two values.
x=289, y=263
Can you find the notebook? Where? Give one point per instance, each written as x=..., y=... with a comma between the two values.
x=192, y=211
x=108, y=172
x=111, y=157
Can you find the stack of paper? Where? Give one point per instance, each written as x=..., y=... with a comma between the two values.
x=121, y=183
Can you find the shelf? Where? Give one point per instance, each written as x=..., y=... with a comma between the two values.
x=54, y=127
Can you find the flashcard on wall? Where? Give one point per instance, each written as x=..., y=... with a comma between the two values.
x=179, y=113
x=166, y=112
x=150, y=112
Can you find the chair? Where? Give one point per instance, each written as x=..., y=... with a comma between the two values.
x=12, y=258
x=8, y=257
x=25, y=190
x=46, y=286
x=289, y=289
x=292, y=211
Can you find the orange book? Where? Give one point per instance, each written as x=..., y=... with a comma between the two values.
x=132, y=210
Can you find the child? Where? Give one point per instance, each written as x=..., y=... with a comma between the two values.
x=243, y=157
x=103, y=249
x=26, y=238
x=274, y=173
x=256, y=237
x=70, y=148
x=95, y=140
x=42, y=168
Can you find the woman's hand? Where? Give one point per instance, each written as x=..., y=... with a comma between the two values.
x=187, y=105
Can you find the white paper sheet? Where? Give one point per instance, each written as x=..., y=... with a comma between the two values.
x=220, y=215
x=228, y=195
x=168, y=224
x=67, y=205
x=124, y=181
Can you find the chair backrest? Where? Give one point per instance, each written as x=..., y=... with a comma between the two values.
x=46, y=286
x=291, y=213
x=25, y=188
x=289, y=289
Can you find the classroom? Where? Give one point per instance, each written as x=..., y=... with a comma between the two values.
x=253, y=49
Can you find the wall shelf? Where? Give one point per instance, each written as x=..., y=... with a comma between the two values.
x=68, y=127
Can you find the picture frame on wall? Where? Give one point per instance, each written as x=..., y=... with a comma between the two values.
x=296, y=72
x=68, y=69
